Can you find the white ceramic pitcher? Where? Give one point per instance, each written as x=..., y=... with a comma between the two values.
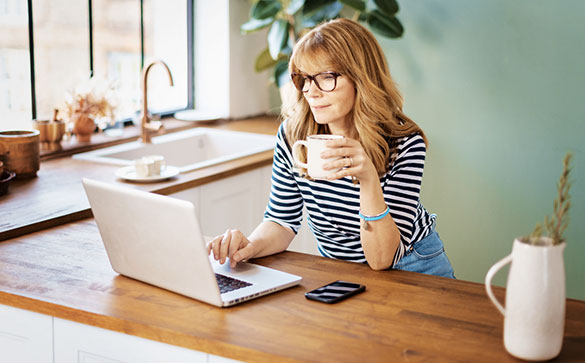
x=534, y=317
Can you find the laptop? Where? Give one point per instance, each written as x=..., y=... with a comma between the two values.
x=157, y=239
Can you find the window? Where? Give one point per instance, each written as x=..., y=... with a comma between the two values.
x=50, y=46
x=15, y=100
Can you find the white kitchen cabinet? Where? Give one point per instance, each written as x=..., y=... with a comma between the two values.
x=79, y=343
x=29, y=337
x=218, y=359
x=25, y=336
x=239, y=202
x=234, y=202
x=190, y=195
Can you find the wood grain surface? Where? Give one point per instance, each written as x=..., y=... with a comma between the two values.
x=402, y=316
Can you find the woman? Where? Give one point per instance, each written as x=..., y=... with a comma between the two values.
x=369, y=210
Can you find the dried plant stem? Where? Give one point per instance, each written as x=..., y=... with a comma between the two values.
x=562, y=204
x=535, y=235
x=557, y=224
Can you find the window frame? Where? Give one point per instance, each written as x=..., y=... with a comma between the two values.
x=190, y=54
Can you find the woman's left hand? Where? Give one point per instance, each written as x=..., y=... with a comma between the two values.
x=353, y=160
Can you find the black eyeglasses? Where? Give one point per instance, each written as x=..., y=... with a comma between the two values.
x=325, y=81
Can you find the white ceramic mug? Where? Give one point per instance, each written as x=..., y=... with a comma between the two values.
x=315, y=144
x=150, y=165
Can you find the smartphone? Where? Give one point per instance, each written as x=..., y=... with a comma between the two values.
x=335, y=292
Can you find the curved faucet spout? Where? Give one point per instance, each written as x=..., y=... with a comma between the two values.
x=145, y=117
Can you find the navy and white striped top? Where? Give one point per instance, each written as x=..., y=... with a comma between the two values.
x=333, y=206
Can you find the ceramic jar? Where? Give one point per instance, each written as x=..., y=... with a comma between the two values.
x=83, y=126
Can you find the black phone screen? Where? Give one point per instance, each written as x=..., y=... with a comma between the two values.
x=335, y=291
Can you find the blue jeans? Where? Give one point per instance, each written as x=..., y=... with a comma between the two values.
x=427, y=256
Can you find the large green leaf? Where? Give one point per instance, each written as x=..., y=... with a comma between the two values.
x=264, y=61
x=255, y=24
x=286, y=50
x=294, y=6
x=281, y=75
x=325, y=13
x=359, y=5
x=388, y=7
x=290, y=44
x=265, y=9
x=277, y=37
x=387, y=26
x=314, y=5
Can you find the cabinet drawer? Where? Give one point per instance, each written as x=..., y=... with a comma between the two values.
x=79, y=343
x=25, y=336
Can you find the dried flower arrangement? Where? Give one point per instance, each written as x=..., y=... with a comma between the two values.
x=89, y=102
x=557, y=224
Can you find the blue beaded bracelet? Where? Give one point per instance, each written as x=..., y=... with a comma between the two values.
x=366, y=219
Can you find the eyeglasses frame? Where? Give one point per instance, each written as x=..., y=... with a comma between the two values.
x=312, y=78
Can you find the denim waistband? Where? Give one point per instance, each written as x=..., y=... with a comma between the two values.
x=431, y=234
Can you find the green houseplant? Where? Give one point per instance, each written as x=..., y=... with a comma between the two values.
x=288, y=20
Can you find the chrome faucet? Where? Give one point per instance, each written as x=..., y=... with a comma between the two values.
x=148, y=125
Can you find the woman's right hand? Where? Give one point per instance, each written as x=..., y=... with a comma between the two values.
x=233, y=245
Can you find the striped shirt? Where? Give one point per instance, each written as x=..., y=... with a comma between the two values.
x=333, y=206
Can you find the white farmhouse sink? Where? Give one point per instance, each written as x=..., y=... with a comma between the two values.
x=187, y=150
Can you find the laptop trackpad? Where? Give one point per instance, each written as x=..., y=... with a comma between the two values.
x=241, y=269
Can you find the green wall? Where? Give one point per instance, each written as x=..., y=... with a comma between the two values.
x=499, y=88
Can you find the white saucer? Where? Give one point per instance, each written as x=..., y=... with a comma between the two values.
x=197, y=116
x=129, y=173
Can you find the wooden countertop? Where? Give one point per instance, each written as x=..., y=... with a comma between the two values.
x=56, y=195
x=402, y=316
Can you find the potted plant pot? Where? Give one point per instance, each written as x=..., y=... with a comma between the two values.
x=534, y=317
x=83, y=127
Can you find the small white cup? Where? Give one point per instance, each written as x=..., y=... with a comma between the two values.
x=315, y=144
x=159, y=163
x=150, y=165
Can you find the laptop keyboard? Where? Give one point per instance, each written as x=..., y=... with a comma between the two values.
x=227, y=284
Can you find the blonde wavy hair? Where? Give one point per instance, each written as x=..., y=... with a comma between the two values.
x=346, y=47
